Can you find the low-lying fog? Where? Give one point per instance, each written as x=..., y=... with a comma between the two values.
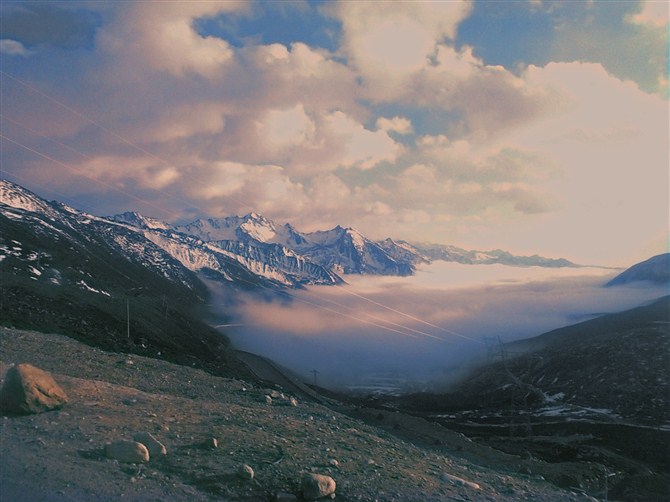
x=419, y=330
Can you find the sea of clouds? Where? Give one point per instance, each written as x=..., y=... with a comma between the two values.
x=423, y=330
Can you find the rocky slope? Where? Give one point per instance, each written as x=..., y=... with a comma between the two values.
x=596, y=391
x=113, y=396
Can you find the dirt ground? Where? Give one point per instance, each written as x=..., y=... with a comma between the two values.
x=59, y=455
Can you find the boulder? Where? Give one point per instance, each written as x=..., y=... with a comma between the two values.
x=28, y=389
x=130, y=452
x=316, y=486
x=154, y=446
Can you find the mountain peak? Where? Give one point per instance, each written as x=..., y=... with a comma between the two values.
x=138, y=220
x=18, y=197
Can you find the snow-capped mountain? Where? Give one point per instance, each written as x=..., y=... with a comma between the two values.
x=340, y=250
x=137, y=220
x=252, y=250
x=251, y=242
x=336, y=251
x=101, y=282
x=431, y=252
x=348, y=251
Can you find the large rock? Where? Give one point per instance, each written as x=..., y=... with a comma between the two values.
x=154, y=446
x=130, y=452
x=28, y=389
x=316, y=486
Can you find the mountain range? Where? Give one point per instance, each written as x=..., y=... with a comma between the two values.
x=282, y=254
x=252, y=250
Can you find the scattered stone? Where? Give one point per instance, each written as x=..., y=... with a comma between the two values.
x=334, y=462
x=268, y=400
x=127, y=451
x=245, y=472
x=28, y=389
x=460, y=481
x=316, y=486
x=154, y=446
x=212, y=443
x=293, y=402
x=275, y=394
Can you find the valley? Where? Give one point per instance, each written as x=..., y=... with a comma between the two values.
x=576, y=413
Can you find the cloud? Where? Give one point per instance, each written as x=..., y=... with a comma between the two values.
x=286, y=128
x=630, y=39
x=163, y=37
x=387, y=41
x=360, y=147
x=399, y=125
x=422, y=327
x=264, y=188
x=13, y=48
x=653, y=13
x=398, y=129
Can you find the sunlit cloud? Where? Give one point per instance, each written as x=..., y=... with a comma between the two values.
x=163, y=37
x=653, y=13
x=397, y=128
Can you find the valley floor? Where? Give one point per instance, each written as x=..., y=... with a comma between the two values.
x=58, y=456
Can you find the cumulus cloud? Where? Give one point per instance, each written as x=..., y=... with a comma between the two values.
x=360, y=147
x=285, y=128
x=388, y=41
x=263, y=188
x=397, y=129
x=163, y=37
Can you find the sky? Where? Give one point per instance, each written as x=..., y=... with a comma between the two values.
x=531, y=126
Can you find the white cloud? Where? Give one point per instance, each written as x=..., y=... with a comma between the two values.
x=389, y=43
x=360, y=147
x=609, y=143
x=399, y=125
x=391, y=37
x=263, y=188
x=286, y=128
x=13, y=48
x=161, y=36
x=654, y=12
x=180, y=121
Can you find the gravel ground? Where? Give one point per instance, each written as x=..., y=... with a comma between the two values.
x=59, y=456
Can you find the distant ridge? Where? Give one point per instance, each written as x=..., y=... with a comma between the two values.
x=655, y=270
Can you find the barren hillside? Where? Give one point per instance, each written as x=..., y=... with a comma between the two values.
x=113, y=396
